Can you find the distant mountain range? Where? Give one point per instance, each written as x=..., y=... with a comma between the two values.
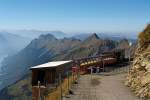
x=59, y=34
x=36, y=33
x=110, y=36
x=11, y=44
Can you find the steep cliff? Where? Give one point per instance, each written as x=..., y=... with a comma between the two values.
x=139, y=76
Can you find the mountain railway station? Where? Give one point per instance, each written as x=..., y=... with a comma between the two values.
x=53, y=80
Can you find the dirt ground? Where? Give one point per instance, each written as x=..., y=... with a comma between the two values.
x=99, y=87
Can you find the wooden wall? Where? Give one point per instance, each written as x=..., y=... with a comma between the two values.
x=49, y=77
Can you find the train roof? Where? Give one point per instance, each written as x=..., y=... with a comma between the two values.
x=51, y=64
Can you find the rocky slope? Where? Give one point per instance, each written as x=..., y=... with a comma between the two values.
x=139, y=76
x=92, y=45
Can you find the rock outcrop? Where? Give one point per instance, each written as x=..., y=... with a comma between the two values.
x=139, y=76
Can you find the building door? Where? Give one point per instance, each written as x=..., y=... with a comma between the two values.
x=41, y=77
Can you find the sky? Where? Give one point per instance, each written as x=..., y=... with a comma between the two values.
x=122, y=16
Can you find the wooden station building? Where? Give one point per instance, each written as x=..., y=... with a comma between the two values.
x=46, y=76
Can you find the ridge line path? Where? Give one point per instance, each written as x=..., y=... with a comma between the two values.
x=100, y=87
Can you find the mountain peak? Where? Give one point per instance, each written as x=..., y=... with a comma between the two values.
x=92, y=37
x=47, y=37
x=43, y=40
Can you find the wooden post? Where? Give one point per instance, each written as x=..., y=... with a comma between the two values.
x=68, y=80
x=73, y=76
x=97, y=70
x=103, y=65
x=60, y=83
x=91, y=72
x=39, y=92
x=129, y=57
x=130, y=44
x=78, y=72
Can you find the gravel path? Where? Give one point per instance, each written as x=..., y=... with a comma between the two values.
x=104, y=88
